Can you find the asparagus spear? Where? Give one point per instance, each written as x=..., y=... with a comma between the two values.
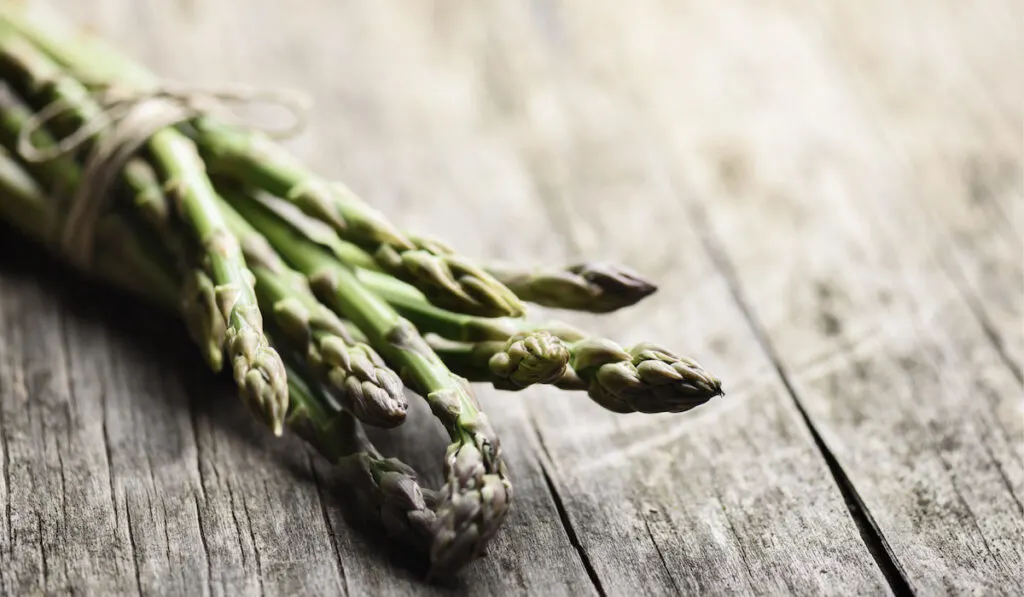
x=367, y=387
x=258, y=370
x=446, y=278
x=205, y=323
x=123, y=256
x=253, y=158
x=477, y=490
x=644, y=378
x=387, y=485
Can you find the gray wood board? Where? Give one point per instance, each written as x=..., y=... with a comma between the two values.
x=759, y=161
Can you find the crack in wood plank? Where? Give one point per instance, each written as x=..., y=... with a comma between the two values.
x=204, y=542
x=131, y=543
x=44, y=571
x=1002, y=476
x=328, y=527
x=873, y=539
x=661, y=555
x=255, y=545
x=563, y=515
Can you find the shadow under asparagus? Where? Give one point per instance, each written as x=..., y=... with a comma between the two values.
x=157, y=336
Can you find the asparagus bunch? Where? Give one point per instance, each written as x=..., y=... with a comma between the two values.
x=325, y=310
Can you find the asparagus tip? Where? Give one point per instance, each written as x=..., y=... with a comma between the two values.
x=593, y=287
x=475, y=504
x=614, y=286
x=646, y=378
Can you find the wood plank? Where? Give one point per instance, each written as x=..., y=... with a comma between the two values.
x=693, y=497
x=111, y=487
x=967, y=169
x=467, y=121
x=262, y=522
x=60, y=515
x=818, y=214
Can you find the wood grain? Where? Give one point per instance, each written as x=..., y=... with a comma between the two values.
x=826, y=220
x=829, y=193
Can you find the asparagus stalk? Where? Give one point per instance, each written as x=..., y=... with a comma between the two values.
x=123, y=257
x=205, y=323
x=644, y=378
x=198, y=298
x=446, y=278
x=385, y=485
x=477, y=489
x=251, y=157
x=358, y=376
x=258, y=370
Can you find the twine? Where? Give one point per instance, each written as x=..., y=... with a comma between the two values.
x=128, y=118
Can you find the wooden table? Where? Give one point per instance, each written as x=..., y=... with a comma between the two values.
x=830, y=194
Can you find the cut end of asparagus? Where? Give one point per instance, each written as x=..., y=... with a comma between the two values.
x=536, y=357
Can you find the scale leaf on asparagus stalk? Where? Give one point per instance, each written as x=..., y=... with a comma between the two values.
x=524, y=359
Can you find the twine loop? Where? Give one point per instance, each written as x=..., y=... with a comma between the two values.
x=127, y=118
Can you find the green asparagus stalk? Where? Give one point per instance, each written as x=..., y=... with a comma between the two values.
x=593, y=287
x=352, y=369
x=477, y=489
x=446, y=278
x=640, y=379
x=258, y=370
x=62, y=174
x=123, y=256
x=198, y=298
x=385, y=485
x=644, y=378
x=251, y=157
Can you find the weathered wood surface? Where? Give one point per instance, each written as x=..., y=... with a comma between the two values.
x=830, y=194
